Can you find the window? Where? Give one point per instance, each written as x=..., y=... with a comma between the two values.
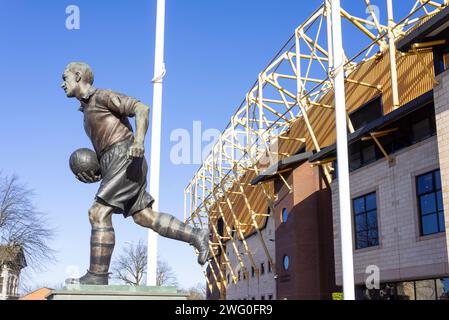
x=426, y=289
x=406, y=131
x=270, y=297
x=269, y=267
x=362, y=153
x=262, y=297
x=421, y=129
x=365, y=218
x=220, y=227
x=244, y=275
x=440, y=59
x=369, y=153
x=430, y=203
x=442, y=288
x=284, y=215
x=286, y=262
x=238, y=276
x=252, y=272
x=262, y=268
x=405, y=290
x=368, y=112
x=228, y=278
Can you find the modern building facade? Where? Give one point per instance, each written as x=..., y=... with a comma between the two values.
x=397, y=210
x=299, y=234
x=397, y=104
x=399, y=169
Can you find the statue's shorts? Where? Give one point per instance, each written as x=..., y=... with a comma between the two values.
x=124, y=180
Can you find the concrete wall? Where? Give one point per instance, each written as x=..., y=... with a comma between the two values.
x=256, y=287
x=402, y=253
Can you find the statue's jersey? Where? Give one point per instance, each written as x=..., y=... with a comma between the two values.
x=106, y=117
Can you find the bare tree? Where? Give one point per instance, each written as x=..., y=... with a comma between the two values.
x=131, y=265
x=21, y=224
x=196, y=293
x=165, y=275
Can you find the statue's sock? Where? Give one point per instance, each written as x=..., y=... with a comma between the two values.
x=102, y=243
x=168, y=226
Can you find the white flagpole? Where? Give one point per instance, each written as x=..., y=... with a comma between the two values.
x=342, y=154
x=159, y=72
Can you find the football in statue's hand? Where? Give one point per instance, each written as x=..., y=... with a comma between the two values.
x=84, y=160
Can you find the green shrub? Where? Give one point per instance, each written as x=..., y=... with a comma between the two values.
x=337, y=295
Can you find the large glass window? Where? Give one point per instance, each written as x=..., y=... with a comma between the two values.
x=421, y=129
x=365, y=218
x=362, y=153
x=405, y=290
x=408, y=130
x=427, y=289
x=442, y=288
x=430, y=203
x=366, y=113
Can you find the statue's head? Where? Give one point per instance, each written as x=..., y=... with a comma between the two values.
x=75, y=76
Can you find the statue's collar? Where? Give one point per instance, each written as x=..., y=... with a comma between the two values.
x=86, y=97
x=89, y=93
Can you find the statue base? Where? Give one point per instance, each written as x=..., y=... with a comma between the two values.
x=113, y=292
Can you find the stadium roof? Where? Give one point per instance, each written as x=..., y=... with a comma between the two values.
x=272, y=171
x=432, y=29
x=377, y=124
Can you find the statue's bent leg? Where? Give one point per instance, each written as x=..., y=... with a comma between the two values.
x=102, y=243
x=168, y=226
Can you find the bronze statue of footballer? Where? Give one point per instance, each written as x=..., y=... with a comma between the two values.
x=123, y=171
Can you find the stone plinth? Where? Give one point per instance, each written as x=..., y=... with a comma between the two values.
x=113, y=292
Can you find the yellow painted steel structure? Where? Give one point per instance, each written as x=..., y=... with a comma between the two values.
x=291, y=106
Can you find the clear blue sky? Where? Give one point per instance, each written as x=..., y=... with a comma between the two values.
x=214, y=51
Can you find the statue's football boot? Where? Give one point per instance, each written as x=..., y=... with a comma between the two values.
x=201, y=243
x=90, y=278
